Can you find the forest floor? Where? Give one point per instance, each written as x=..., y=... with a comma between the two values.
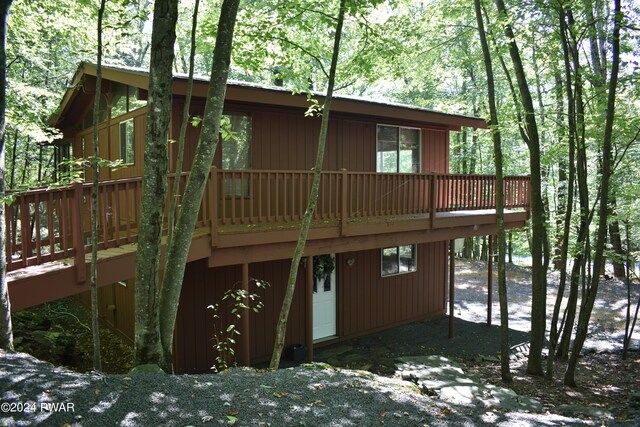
x=605, y=381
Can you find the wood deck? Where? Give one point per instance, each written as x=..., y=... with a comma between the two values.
x=245, y=216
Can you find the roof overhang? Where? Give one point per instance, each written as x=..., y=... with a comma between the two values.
x=266, y=95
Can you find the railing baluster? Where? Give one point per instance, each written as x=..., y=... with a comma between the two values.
x=36, y=215
x=213, y=206
x=10, y=239
x=78, y=232
x=25, y=230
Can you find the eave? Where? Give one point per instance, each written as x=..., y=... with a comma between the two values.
x=267, y=95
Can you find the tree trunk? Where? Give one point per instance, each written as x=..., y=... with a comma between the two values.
x=194, y=190
x=616, y=242
x=12, y=179
x=592, y=290
x=538, y=224
x=565, y=202
x=95, y=310
x=148, y=349
x=6, y=331
x=578, y=128
x=562, y=191
x=501, y=237
x=173, y=198
x=281, y=327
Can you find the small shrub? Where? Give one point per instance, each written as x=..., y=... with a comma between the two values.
x=224, y=339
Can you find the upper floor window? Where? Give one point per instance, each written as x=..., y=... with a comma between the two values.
x=235, y=131
x=397, y=149
x=124, y=99
x=236, y=141
x=398, y=260
x=127, y=142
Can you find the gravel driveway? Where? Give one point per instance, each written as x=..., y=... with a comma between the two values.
x=34, y=392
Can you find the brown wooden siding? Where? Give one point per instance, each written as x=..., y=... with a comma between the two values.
x=435, y=151
x=109, y=145
x=369, y=301
x=357, y=147
x=204, y=286
x=366, y=302
x=117, y=307
x=284, y=139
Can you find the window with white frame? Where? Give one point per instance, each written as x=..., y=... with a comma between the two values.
x=127, y=142
x=397, y=149
x=398, y=260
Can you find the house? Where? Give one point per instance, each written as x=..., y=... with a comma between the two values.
x=387, y=211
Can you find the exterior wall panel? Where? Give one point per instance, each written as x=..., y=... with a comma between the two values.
x=206, y=286
x=435, y=151
x=371, y=302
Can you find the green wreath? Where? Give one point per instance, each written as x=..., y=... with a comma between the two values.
x=323, y=266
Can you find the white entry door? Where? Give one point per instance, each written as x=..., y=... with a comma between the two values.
x=324, y=304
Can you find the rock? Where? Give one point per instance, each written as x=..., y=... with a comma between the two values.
x=31, y=320
x=583, y=411
x=438, y=376
x=333, y=352
x=633, y=406
x=489, y=358
x=148, y=368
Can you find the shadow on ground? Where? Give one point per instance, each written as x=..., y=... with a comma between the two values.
x=378, y=352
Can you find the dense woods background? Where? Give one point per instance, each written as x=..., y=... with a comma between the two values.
x=422, y=53
x=419, y=53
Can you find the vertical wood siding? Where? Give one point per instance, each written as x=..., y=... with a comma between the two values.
x=206, y=286
x=116, y=306
x=435, y=151
x=287, y=140
x=366, y=302
x=369, y=302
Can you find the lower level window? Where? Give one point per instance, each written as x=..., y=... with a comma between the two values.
x=398, y=260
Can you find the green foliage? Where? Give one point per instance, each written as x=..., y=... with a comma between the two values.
x=239, y=302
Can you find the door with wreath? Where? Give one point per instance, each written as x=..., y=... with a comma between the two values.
x=324, y=296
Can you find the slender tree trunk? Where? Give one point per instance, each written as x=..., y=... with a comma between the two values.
x=616, y=242
x=561, y=203
x=148, y=349
x=592, y=290
x=501, y=237
x=95, y=310
x=6, y=330
x=25, y=167
x=539, y=244
x=12, y=179
x=565, y=197
x=577, y=128
x=175, y=192
x=630, y=323
x=194, y=190
x=281, y=327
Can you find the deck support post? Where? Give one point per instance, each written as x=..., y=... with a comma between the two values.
x=309, y=310
x=452, y=271
x=246, y=352
x=343, y=209
x=78, y=234
x=489, y=280
x=432, y=199
x=213, y=205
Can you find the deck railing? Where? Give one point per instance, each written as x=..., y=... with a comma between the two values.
x=51, y=224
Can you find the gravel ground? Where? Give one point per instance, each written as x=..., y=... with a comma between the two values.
x=33, y=392
x=36, y=393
